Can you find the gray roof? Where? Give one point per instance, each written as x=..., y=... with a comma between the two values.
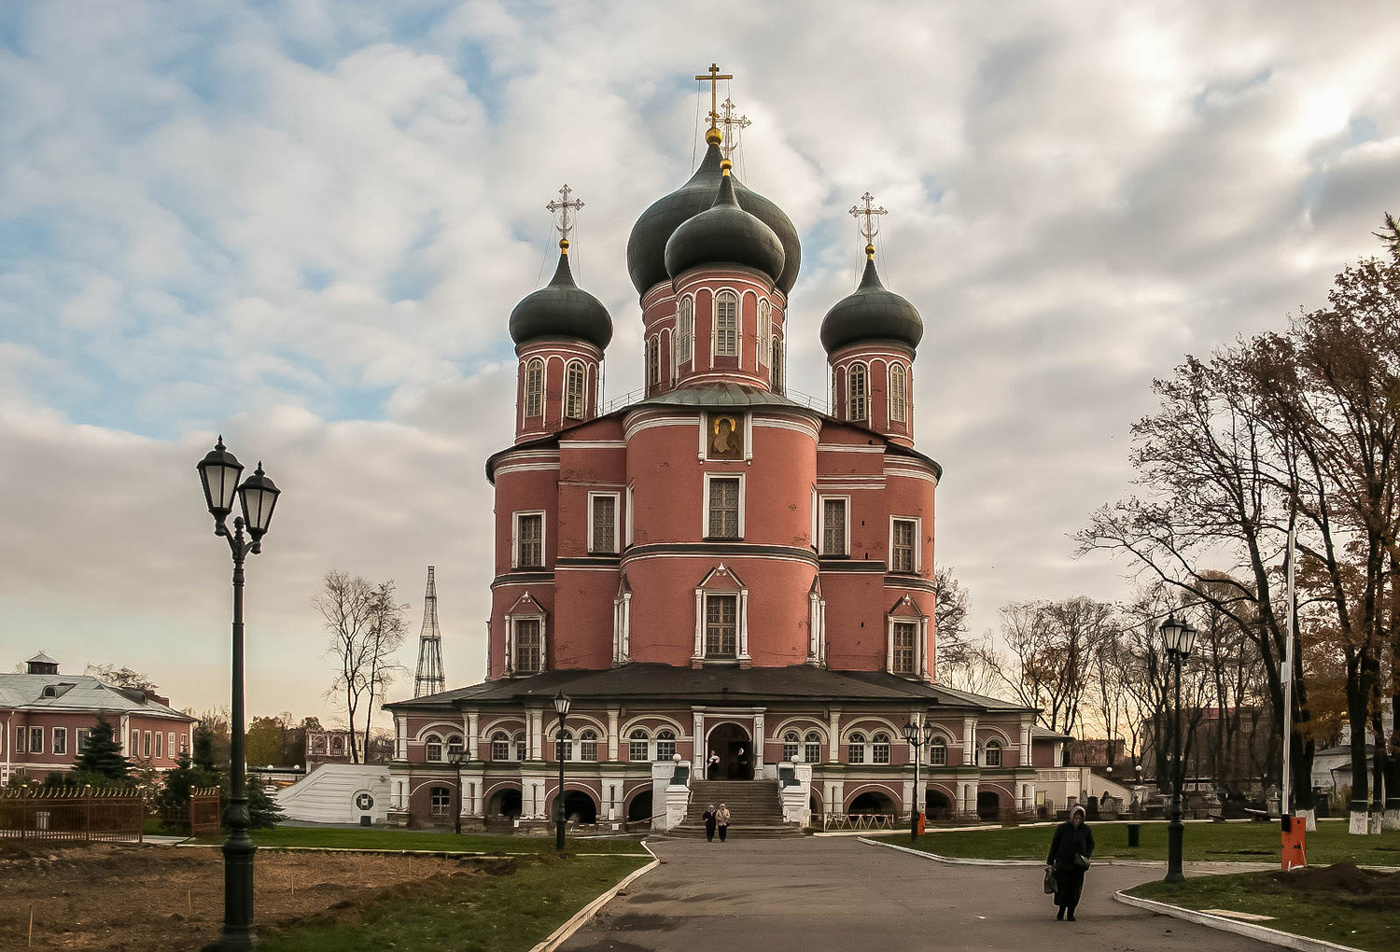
x=41, y=658
x=720, y=395
x=660, y=682
x=84, y=693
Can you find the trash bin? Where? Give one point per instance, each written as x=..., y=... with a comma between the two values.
x=1134, y=830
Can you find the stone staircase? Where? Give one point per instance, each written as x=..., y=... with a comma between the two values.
x=754, y=804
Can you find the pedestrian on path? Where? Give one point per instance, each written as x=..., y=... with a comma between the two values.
x=1070, y=851
x=710, y=821
x=722, y=819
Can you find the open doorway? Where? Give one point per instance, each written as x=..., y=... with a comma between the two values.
x=732, y=744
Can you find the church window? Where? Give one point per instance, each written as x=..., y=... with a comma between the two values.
x=903, y=551
x=564, y=746
x=146, y=746
x=880, y=748
x=170, y=744
x=60, y=740
x=723, y=516
x=791, y=742
x=721, y=626
x=500, y=746
x=993, y=754
x=665, y=744
x=857, y=393
x=938, y=752
x=588, y=745
x=573, y=390
x=685, y=340
x=529, y=540
x=726, y=324
x=454, y=745
x=440, y=801
x=765, y=332
x=603, y=537
x=534, y=388
x=654, y=362
x=777, y=349
x=897, y=398
x=434, y=744
x=904, y=637
x=521, y=751
x=638, y=745
x=528, y=650
x=812, y=752
x=36, y=741
x=834, y=526
x=855, y=747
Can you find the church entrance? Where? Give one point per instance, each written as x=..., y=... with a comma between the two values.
x=731, y=743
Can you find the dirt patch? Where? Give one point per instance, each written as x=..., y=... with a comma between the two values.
x=1343, y=883
x=124, y=898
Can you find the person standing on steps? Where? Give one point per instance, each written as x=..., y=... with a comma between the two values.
x=722, y=819
x=710, y=821
x=1070, y=850
x=714, y=767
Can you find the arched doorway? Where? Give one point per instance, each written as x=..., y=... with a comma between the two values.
x=578, y=807
x=988, y=805
x=735, y=750
x=872, y=802
x=937, y=805
x=504, y=803
x=640, y=807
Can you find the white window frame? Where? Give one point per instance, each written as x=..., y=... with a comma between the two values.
x=864, y=406
x=939, y=743
x=569, y=393
x=989, y=745
x=532, y=395
x=792, y=745
x=685, y=331
x=920, y=643
x=639, y=735
x=55, y=743
x=514, y=622
x=617, y=520
x=808, y=745
x=715, y=348
x=908, y=622
x=160, y=745
x=673, y=739
x=765, y=332
x=821, y=527
x=496, y=738
x=81, y=739
x=739, y=606
x=653, y=361
x=705, y=506
x=170, y=744
x=776, y=377
x=436, y=808
x=876, y=744
x=431, y=741
x=627, y=526
x=38, y=732
x=515, y=518
x=856, y=742
x=918, y=544
x=588, y=738
x=897, y=401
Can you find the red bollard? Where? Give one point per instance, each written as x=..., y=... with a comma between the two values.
x=1295, y=835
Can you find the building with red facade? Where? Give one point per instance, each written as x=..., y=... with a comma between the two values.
x=45, y=717
x=713, y=571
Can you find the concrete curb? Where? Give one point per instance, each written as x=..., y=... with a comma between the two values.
x=1288, y=940
x=579, y=919
x=446, y=854
x=968, y=861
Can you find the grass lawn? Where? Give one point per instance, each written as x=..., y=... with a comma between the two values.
x=463, y=913
x=1203, y=842
x=416, y=840
x=1339, y=904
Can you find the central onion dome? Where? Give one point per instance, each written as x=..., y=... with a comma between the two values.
x=561, y=309
x=646, y=248
x=725, y=234
x=871, y=313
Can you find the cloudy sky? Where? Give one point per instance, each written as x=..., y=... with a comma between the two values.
x=304, y=225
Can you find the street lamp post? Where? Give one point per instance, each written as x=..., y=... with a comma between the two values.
x=1179, y=638
x=455, y=758
x=918, y=737
x=561, y=707
x=219, y=472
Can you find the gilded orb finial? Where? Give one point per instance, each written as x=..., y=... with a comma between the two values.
x=870, y=252
x=725, y=167
x=713, y=136
x=564, y=245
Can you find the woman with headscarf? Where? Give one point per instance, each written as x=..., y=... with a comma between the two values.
x=722, y=818
x=1070, y=850
x=711, y=819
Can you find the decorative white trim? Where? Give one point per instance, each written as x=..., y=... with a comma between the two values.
x=918, y=542
x=848, y=448
x=633, y=427
x=567, y=443
x=511, y=643
x=515, y=537
x=617, y=522
x=630, y=521
x=845, y=528
x=705, y=505
x=526, y=468
x=809, y=427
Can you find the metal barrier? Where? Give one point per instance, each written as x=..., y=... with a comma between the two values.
x=116, y=815
x=857, y=821
x=206, y=818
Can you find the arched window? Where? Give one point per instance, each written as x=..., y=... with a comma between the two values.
x=500, y=746
x=812, y=748
x=856, y=748
x=938, y=752
x=638, y=745
x=588, y=745
x=857, y=392
x=765, y=332
x=777, y=365
x=534, y=388
x=880, y=748
x=685, y=340
x=434, y=748
x=654, y=362
x=993, y=757
x=521, y=751
x=454, y=745
x=564, y=746
x=897, y=399
x=726, y=324
x=791, y=742
x=573, y=390
x=665, y=744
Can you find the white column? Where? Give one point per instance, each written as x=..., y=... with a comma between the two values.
x=909, y=800
x=699, y=625
x=969, y=739
x=400, y=737
x=744, y=625
x=758, y=745
x=925, y=671
x=700, y=757
x=834, y=735
x=627, y=627
x=612, y=733
x=537, y=735
x=474, y=735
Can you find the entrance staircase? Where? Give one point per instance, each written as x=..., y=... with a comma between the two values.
x=755, y=806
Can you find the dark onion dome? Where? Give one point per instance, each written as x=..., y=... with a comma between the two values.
x=561, y=309
x=871, y=313
x=646, y=248
x=724, y=234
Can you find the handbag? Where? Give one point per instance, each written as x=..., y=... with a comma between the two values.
x=1049, y=881
x=1081, y=861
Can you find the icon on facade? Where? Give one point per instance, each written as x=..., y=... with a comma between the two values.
x=726, y=440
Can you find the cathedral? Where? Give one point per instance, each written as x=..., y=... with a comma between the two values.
x=727, y=583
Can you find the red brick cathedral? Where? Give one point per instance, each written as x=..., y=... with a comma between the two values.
x=727, y=583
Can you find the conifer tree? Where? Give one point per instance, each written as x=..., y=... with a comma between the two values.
x=102, y=762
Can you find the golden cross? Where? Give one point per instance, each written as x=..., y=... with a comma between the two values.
x=713, y=79
x=563, y=208
x=732, y=126
x=871, y=225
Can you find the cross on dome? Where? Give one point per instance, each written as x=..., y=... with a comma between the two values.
x=713, y=79
x=562, y=209
x=732, y=124
x=869, y=220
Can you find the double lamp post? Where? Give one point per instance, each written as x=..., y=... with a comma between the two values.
x=1180, y=639
x=918, y=737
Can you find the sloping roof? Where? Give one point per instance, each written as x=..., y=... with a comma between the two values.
x=86, y=693
x=638, y=681
x=41, y=658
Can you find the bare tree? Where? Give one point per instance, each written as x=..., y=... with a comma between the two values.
x=121, y=677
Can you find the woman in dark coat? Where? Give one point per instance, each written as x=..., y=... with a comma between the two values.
x=711, y=818
x=1073, y=839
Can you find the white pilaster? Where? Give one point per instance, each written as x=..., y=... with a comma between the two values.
x=474, y=735
x=744, y=625
x=612, y=733
x=758, y=745
x=833, y=720
x=969, y=739
x=699, y=625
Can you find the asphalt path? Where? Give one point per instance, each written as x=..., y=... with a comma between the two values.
x=813, y=894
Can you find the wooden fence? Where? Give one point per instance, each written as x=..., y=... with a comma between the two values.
x=205, y=814
x=113, y=815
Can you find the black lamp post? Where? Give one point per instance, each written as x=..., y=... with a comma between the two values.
x=219, y=471
x=455, y=758
x=917, y=737
x=561, y=707
x=1179, y=638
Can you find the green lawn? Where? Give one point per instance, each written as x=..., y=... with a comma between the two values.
x=417, y=840
x=1203, y=842
x=1336, y=904
x=465, y=914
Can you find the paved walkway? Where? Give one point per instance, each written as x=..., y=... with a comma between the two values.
x=819, y=894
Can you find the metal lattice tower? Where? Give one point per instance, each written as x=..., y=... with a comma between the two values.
x=430, y=679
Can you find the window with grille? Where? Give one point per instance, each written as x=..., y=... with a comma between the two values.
x=534, y=388
x=638, y=746
x=993, y=753
x=938, y=753
x=146, y=745
x=834, y=527
x=726, y=324
x=880, y=748
x=721, y=626
x=765, y=331
x=170, y=745
x=527, y=646
x=902, y=660
x=160, y=744
x=686, y=339
x=434, y=747
x=60, y=740
x=500, y=746
x=857, y=393
x=564, y=746
x=777, y=349
x=529, y=541
x=654, y=362
x=791, y=742
x=855, y=748
x=83, y=734
x=724, y=507
x=455, y=746
x=812, y=748
x=605, y=524
x=902, y=550
x=588, y=745
x=440, y=801
x=521, y=751
x=897, y=399
x=573, y=391
x=665, y=744
x=135, y=743
x=184, y=743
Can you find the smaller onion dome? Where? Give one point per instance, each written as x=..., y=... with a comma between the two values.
x=725, y=234
x=871, y=313
x=561, y=309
